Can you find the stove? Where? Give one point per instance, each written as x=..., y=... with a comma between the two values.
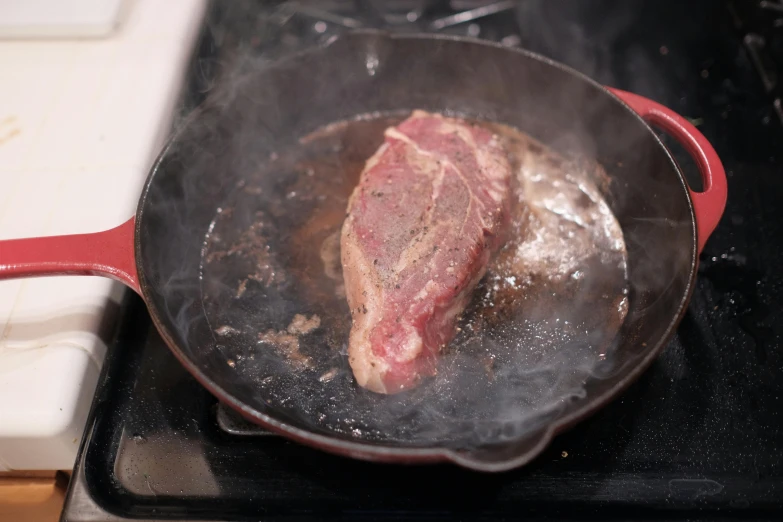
x=698, y=436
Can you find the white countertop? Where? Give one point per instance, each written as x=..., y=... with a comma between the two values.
x=80, y=122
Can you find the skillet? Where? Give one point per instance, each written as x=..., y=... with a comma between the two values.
x=238, y=159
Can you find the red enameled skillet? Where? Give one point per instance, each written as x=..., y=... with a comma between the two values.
x=158, y=252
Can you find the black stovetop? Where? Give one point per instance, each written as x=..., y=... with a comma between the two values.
x=700, y=435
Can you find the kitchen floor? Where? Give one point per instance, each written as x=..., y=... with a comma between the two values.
x=33, y=496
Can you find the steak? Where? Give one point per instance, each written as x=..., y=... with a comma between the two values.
x=430, y=208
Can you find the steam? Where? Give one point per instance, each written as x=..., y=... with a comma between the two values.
x=526, y=346
x=515, y=366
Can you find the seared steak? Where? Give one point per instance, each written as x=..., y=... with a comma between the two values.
x=430, y=208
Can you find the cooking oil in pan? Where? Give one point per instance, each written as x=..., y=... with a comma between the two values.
x=542, y=321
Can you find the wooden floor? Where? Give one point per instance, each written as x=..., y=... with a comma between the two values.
x=32, y=496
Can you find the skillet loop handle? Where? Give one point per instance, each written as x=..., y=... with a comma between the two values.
x=108, y=254
x=708, y=205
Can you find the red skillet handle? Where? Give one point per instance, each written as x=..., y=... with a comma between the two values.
x=709, y=204
x=108, y=253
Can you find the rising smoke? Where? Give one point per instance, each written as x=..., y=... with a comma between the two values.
x=280, y=199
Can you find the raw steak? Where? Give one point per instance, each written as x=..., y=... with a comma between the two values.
x=429, y=210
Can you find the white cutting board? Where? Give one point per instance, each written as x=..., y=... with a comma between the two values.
x=81, y=121
x=59, y=18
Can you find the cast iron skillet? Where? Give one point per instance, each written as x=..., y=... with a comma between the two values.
x=158, y=253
